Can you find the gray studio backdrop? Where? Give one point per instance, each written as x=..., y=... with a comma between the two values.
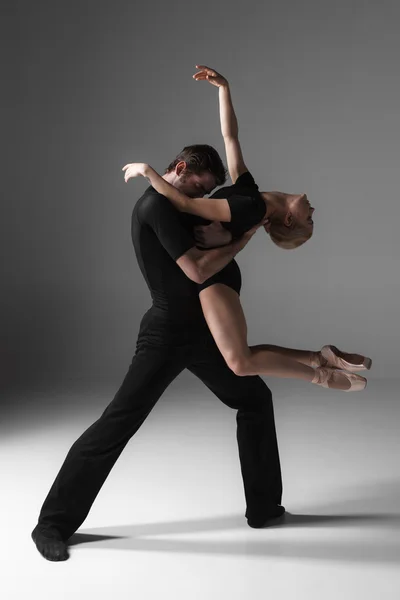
x=94, y=85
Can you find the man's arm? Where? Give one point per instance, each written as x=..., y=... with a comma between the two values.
x=213, y=235
x=229, y=123
x=205, y=263
x=198, y=265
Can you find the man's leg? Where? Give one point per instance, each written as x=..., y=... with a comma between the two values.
x=256, y=434
x=95, y=452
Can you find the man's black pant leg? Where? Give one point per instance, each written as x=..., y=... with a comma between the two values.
x=92, y=456
x=256, y=433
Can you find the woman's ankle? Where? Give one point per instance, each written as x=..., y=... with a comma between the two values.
x=317, y=360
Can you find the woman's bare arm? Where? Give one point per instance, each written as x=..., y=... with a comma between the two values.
x=229, y=123
x=212, y=209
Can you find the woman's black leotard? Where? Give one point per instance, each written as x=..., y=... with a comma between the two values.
x=247, y=209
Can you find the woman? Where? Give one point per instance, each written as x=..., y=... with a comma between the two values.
x=241, y=208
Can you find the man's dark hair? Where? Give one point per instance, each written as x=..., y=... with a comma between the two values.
x=200, y=158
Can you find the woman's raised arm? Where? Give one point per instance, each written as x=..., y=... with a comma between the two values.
x=229, y=124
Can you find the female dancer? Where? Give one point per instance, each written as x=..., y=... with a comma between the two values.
x=240, y=208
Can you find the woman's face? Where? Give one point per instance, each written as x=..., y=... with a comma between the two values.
x=292, y=207
x=300, y=206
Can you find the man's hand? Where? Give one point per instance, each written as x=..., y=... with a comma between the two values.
x=212, y=236
x=210, y=75
x=267, y=225
x=246, y=237
x=135, y=170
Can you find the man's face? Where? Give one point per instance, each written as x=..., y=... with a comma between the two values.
x=196, y=185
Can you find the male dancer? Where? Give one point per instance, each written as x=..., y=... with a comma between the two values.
x=173, y=336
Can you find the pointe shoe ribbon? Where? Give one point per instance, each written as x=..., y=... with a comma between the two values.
x=335, y=358
x=327, y=377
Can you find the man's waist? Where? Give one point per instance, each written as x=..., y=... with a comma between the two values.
x=161, y=324
x=178, y=312
x=176, y=304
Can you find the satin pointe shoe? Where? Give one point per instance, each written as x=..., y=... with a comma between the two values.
x=333, y=378
x=343, y=360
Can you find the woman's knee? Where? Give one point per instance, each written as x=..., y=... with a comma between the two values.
x=239, y=364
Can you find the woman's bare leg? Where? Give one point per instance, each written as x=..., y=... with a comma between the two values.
x=312, y=358
x=225, y=318
x=303, y=356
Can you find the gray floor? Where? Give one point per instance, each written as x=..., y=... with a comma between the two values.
x=169, y=521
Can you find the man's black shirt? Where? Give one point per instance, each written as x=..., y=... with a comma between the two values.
x=161, y=234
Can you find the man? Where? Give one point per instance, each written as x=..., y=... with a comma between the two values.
x=173, y=336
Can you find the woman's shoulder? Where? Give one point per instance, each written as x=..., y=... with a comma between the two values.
x=246, y=180
x=244, y=184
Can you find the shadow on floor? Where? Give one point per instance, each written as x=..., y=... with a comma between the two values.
x=377, y=544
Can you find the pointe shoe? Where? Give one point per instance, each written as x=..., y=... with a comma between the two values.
x=336, y=358
x=328, y=378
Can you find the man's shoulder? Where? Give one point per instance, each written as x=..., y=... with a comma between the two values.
x=150, y=197
x=149, y=202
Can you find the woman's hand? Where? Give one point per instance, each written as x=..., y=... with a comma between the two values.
x=210, y=75
x=135, y=170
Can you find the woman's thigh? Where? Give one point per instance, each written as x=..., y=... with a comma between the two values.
x=241, y=393
x=223, y=312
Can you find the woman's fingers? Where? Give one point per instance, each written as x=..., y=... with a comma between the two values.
x=206, y=71
x=209, y=75
x=128, y=173
x=209, y=71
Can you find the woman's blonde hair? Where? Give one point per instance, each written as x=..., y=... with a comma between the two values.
x=289, y=237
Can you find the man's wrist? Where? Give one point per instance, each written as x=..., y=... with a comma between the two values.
x=216, y=259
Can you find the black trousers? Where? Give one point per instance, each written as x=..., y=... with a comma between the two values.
x=161, y=354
